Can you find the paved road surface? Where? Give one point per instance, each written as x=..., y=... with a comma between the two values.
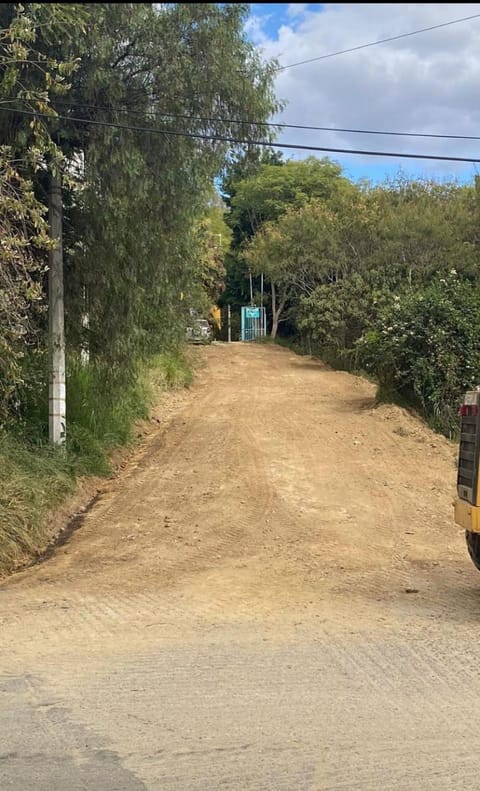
x=271, y=595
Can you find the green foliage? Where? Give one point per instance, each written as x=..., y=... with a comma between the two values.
x=23, y=231
x=304, y=248
x=267, y=195
x=94, y=406
x=423, y=228
x=262, y=194
x=213, y=240
x=28, y=79
x=169, y=370
x=34, y=477
x=423, y=347
x=101, y=419
x=382, y=278
x=32, y=73
x=143, y=210
x=32, y=480
x=141, y=232
x=101, y=416
x=334, y=316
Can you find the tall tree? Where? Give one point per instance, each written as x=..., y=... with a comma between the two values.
x=29, y=78
x=269, y=197
x=137, y=97
x=182, y=73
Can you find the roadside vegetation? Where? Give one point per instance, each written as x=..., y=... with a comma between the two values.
x=131, y=104
x=383, y=279
x=34, y=477
x=94, y=92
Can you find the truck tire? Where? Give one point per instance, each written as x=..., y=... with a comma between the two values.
x=473, y=545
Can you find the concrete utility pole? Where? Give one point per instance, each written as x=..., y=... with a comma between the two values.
x=229, y=323
x=57, y=390
x=85, y=350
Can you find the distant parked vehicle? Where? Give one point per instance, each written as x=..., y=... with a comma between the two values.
x=199, y=331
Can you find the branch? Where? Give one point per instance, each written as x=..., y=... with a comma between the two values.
x=125, y=53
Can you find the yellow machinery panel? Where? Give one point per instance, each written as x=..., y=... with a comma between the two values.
x=467, y=506
x=467, y=516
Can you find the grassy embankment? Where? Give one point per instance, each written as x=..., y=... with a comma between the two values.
x=35, y=478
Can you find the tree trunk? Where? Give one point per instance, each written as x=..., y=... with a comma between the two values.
x=273, y=333
x=277, y=312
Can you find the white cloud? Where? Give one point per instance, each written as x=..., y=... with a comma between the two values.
x=254, y=29
x=296, y=9
x=425, y=83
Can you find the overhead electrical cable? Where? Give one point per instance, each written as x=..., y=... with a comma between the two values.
x=273, y=125
x=375, y=43
x=240, y=141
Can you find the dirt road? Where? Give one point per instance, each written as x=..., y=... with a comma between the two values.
x=272, y=595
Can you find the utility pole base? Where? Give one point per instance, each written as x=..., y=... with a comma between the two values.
x=57, y=422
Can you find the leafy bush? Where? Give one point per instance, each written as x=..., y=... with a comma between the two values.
x=334, y=317
x=424, y=348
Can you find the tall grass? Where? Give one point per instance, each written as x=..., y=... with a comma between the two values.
x=32, y=480
x=100, y=417
x=102, y=414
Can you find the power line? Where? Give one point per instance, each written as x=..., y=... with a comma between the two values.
x=375, y=132
x=272, y=125
x=245, y=142
x=380, y=41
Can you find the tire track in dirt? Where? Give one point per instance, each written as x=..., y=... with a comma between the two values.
x=233, y=615
x=276, y=488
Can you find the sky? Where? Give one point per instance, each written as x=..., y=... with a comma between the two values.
x=427, y=83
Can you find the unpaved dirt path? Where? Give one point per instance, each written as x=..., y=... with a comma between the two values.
x=272, y=595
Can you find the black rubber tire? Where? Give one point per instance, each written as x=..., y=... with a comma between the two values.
x=473, y=546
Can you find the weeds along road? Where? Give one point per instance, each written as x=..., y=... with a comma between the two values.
x=272, y=595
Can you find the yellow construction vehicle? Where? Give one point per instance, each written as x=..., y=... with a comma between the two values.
x=467, y=504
